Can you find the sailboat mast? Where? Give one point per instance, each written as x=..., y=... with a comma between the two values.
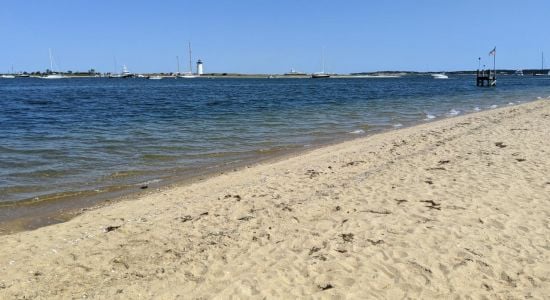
x=190, y=65
x=178, y=60
x=495, y=63
x=323, y=59
x=542, y=63
x=51, y=60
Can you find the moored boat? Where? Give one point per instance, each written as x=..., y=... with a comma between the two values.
x=440, y=76
x=188, y=74
x=52, y=74
x=320, y=75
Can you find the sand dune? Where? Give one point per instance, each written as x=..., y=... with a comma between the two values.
x=457, y=207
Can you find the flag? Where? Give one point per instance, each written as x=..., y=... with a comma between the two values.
x=493, y=52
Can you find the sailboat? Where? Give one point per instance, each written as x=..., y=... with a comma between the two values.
x=321, y=74
x=188, y=74
x=53, y=75
x=440, y=76
x=8, y=75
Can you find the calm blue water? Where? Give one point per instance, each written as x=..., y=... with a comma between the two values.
x=62, y=136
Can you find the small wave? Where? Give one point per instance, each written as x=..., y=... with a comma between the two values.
x=493, y=106
x=477, y=108
x=358, y=131
x=274, y=149
x=397, y=125
x=453, y=112
x=160, y=157
x=149, y=182
x=123, y=174
x=511, y=103
x=429, y=117
x=47, y=173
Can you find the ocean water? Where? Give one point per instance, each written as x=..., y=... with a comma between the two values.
x=87, y=136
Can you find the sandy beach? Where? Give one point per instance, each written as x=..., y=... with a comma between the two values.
x=455, y=207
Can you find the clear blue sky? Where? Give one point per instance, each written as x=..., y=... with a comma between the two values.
x=272, y=36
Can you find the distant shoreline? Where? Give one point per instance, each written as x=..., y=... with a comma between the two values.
x=526, y=72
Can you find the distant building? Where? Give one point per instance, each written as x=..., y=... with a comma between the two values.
x=199, y=67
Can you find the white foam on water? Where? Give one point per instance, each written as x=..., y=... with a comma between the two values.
x=429, y=117
x=150, y=181
x=397, y=125
x=493, y=106
x=358, y=131
x=477, y=108
x=453, y=112
x=511, y=103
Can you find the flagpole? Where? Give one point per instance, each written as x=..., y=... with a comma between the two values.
x=495, y=62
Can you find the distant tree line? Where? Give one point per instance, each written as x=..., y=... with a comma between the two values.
x=466, y=72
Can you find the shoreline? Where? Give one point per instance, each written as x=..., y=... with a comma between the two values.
x=31, y=214
x=457, y=206
x=57, y=208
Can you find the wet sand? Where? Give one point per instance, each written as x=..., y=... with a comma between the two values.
x=456, y=207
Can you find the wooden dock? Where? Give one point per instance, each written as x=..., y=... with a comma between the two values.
x=486, y=78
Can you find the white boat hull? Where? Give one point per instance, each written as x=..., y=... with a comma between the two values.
x=320, y=75
x=440, y=76
x=53, y=76
x=187, y=76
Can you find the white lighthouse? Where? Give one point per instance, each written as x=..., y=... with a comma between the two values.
x=199, y=67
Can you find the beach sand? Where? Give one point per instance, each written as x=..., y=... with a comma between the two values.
x=456, y=207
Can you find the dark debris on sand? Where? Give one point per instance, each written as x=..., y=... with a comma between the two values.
x=399, y=201
x=325, y=287
x=432, y=204
x=111, y=228
x=377, y=242
x=312, y=173
x=347, y=237
x=184, y=218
